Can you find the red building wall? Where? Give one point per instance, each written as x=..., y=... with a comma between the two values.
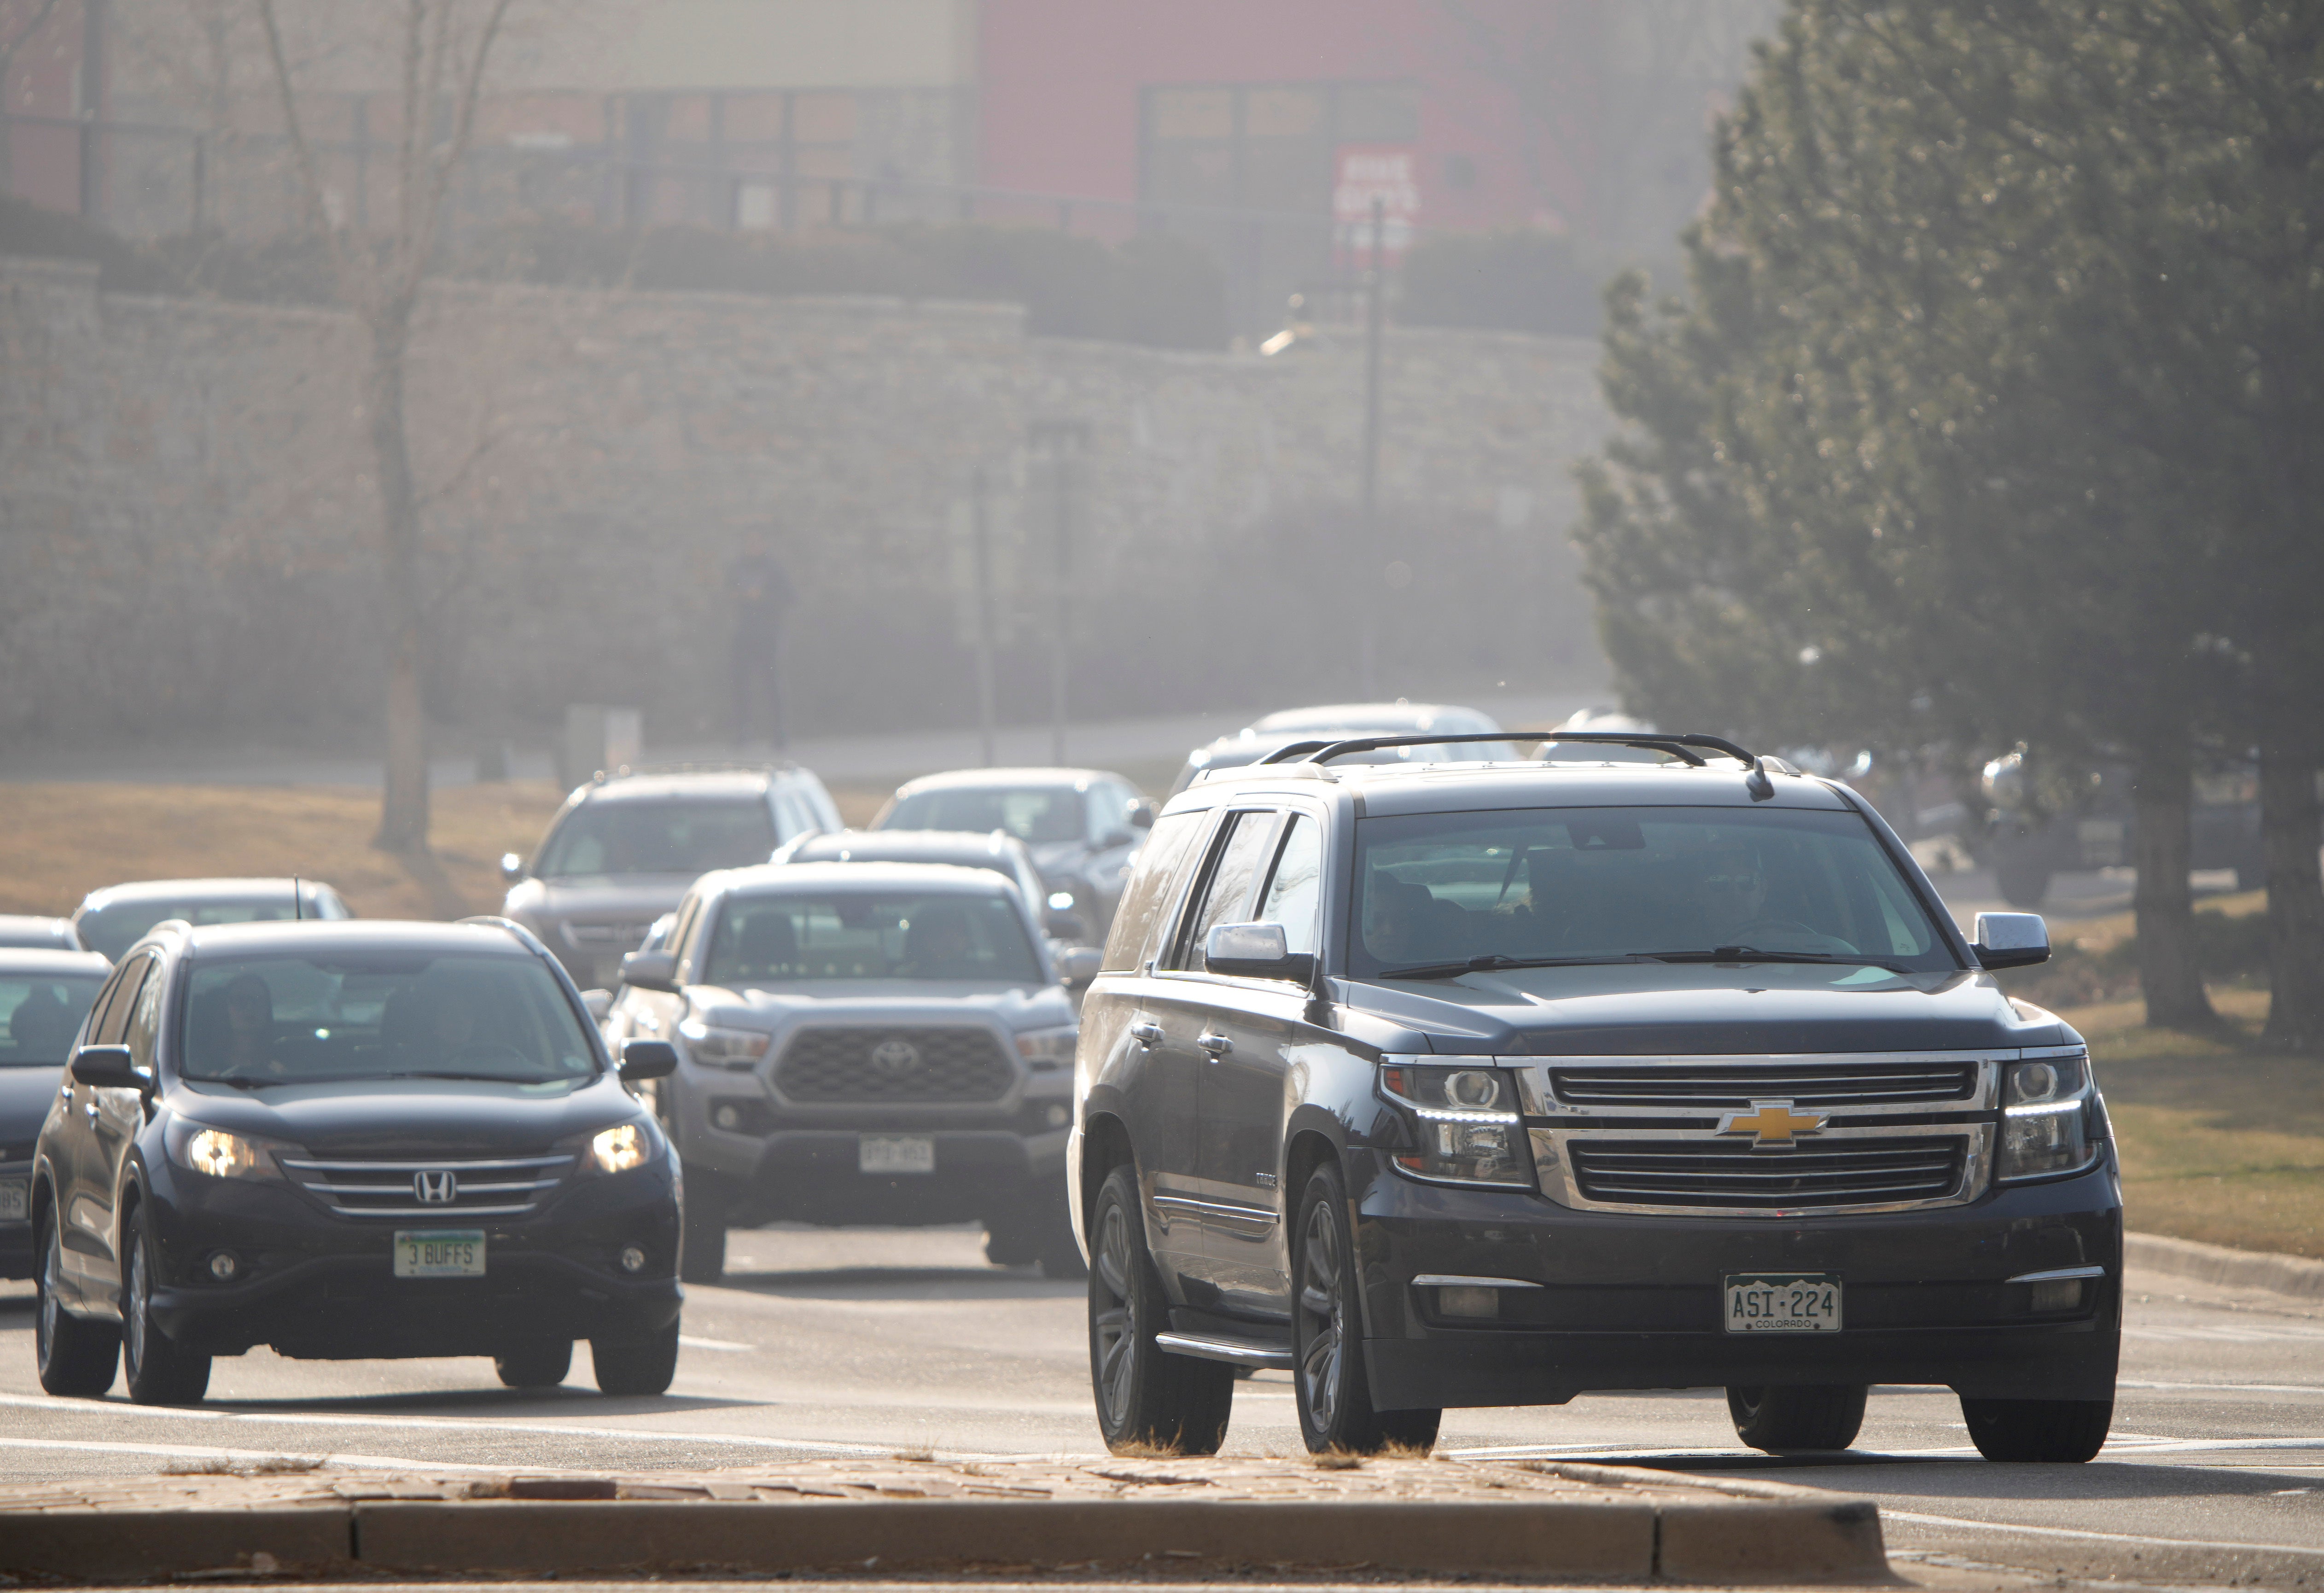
x=1508, y=86
x=42, y=78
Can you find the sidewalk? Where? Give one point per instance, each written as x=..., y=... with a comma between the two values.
x=1535, y=1520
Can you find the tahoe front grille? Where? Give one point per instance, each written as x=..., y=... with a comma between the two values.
x=908, y=1064
x=408, y=1188
x=1724, y=1086
x=1713, y=1176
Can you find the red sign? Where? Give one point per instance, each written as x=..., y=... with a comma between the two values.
x=1387, y=173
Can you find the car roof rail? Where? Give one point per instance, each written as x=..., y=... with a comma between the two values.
x=1681, y=747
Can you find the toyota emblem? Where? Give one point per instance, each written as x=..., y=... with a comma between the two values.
x=895, y=1058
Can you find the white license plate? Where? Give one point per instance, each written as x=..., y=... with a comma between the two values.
x=448, y=1252
x=1783, y=1303
x=895, y=1153
x=15, y=1200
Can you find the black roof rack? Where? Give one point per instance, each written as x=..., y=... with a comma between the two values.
x=1681, y=747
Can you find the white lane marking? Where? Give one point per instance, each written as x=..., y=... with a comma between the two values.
x=2223, y=1335
x=691, y=1342
x=2062, y=1532
x=2123, y=1444
x=2228, y=1388
x=469, y=1424
x=178, y=1451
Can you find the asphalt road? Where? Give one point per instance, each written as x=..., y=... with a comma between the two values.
x=876, y=1341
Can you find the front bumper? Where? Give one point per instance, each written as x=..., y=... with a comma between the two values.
x=1633, y=1302
x=815, y=1176
x=320, y=1286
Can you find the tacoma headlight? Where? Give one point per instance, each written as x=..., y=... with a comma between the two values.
x=2045, y=1119
x=217, y=1154
x=1048, y=1048
x=1465, y=1119
x=620, y=1148
x=718, y=1047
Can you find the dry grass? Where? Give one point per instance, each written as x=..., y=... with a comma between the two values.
x=2222, y=1140
x=65, y=841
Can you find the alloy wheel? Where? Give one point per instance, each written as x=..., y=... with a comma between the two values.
x=52, y=1272
x=1322, y=1316
x=134, y=1313
x=1116, y=1322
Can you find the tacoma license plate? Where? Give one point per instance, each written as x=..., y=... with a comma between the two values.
x=16, y=1205
x=895, y=1153
x=440, y=1253
x=1783, y=1303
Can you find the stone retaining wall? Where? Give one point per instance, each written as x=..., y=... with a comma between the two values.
x=185, y=509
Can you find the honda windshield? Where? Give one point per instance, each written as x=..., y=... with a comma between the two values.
x=299, y=1020
x=1441, y=891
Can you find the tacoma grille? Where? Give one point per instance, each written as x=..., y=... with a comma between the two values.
x=858, y=1064
x=1713, y=1176
x=501, y=1187
x=1721, y=1086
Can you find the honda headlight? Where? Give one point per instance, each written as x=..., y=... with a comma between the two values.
x=1465, y=1119
x=620, y=1148
x=2045, y=1119
x=217, y=1154
x=718, y=1048
x=1048, y=1048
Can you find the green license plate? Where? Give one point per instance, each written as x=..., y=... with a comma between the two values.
x=444, y=1252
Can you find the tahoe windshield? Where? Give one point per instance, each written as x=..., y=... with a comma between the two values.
x=40, y=1014
x=304, y=1020
x=657, y=837
x=1438, y=891
x=765, y=940
x=1036, y=815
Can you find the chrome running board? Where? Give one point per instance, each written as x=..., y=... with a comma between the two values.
x=1242, y=1352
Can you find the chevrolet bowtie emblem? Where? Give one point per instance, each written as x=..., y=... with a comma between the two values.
x=1771, y=1122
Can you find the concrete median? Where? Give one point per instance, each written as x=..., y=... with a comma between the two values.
x=1512, y=1520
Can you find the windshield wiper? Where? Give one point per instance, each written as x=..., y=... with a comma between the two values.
x=480, y=1078
x=1493, y=962
x=240, y=1084
x=1753, y=955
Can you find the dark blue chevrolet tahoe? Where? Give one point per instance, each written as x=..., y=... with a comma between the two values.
x=1492, y=1084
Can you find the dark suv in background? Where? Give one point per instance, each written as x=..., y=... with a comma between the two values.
x=1491, y=1084
x=1081, y=825
x=624, y=848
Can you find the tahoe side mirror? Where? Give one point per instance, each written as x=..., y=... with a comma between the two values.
x=1077, y=965
x=1256, y=950
x=109, y=1067
x=650, y=971
x=2010, y=940
x=647, y=1059
x=511, y=867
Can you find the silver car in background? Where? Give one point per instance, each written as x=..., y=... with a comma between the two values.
x=622, y=850
x=1081, y=826
x=112, y=920
x=1345, y=721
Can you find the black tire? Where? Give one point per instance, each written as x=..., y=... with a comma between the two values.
x=702, y=1241
x=1331, y=1390
x=1820, y=1416
x=536, y=1366
x=157, y=1370
x=636, y=1366
x=1011, y=1241
x=76, y=1359
x=1147, y=1398
x=2069, y=1430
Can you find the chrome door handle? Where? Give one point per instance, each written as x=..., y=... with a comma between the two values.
x=1147, y=1034
x=1218, y=1045
x=90, y=1110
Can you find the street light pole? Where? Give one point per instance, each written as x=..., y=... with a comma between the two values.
x=1368, y=569
x=980, y=531
x=1063, y=441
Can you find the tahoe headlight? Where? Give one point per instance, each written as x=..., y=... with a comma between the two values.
x=2045, y=1119
x=1465, y=1119
x=217, y=1154
x=718, y=1047
x=1048, y=1048
x=620, y=1148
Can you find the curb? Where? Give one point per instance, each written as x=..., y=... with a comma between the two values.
x=2294, y=1276
x=1765, y=1536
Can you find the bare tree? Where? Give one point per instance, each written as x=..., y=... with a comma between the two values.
x=440, y=49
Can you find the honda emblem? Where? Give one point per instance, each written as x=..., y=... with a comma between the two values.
x=435, y=1189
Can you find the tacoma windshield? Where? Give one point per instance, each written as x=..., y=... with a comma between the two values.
x=1437, y=892
x=765, y=940
x=299, y=1020
x=652, y=836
